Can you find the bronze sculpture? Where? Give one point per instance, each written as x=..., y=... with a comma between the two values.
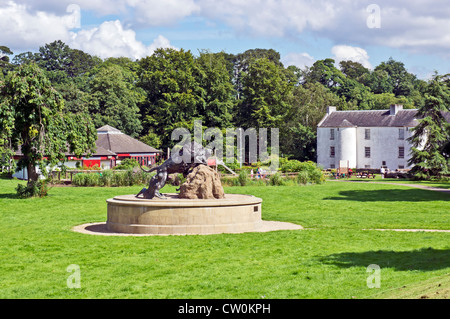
x=191, y=155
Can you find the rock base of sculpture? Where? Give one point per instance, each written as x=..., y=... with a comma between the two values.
x=233, y=213
x=202, y=183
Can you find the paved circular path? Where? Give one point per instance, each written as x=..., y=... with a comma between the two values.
x=100, y=229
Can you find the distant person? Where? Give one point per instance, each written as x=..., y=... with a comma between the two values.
x=382, y=172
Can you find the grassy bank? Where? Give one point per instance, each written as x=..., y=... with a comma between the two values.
x=328, y=259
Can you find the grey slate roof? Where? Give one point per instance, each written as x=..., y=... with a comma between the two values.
x=372, y=118
x=112, y=139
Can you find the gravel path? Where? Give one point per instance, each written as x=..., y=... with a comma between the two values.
x=100, y=229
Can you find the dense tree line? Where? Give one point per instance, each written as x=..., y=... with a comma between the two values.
x=150, y=97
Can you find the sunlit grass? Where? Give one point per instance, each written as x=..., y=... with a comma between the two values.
x=328, y=259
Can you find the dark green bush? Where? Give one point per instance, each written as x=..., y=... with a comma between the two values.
x=243, y=178
x=276, y=180
x=111, y=178
x=127, y=164
x=39, y=188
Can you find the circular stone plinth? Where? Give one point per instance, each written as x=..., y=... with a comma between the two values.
x=175, y=216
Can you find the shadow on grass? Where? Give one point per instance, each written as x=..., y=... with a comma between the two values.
x=426, y=259
x=9, y=196
x=391, y=195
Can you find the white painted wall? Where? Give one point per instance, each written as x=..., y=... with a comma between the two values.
x=350, y=145
x=323, y=148
x=347, y=147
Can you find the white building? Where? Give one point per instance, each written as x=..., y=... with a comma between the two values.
x=366, y=139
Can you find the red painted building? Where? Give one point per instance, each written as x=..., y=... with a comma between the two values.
x=121, y=146
x=113, y=146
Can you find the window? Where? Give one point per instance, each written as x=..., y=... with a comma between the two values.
x=331, y=133
x=367, y=134
x=332, y=166
x=366, y=166
x=401, y=166
x=401, y=152
x=332, y=151
x=401, y=134
x=383, y=163
x=367, y=152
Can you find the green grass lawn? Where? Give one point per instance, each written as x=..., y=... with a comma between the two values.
x=439, y=184
x=328, y=259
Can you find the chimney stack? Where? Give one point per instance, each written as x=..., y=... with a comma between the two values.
x=395, y=108
x=331, y=109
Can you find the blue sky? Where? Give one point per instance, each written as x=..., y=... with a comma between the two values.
x=302, y=31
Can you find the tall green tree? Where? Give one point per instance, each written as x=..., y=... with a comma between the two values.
x=265, y=95
x=5, y=64
x=32, y=118
x=324, y=72
x=114, y=101
x=54, y=56
x=172, y=89
x=216, y=90
x=353, y=70
x=308, y=106
x=399, y=79
x=58, y=56
x=243, y=60
x=25, y=57
x=432, y=134
x=4, y=55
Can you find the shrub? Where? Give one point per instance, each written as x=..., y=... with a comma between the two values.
x=307, y=171
x=127, y=164
x=92, y=179
x=106, y=177
x=316, y=176
x=276, y=180
x=292, y=166
x=119, y=179
x=33, y=189
x=79, y=179
x=243, y=178
x=303, y=177
x=110, y=178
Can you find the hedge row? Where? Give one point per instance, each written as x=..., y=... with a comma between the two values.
x=110, y=178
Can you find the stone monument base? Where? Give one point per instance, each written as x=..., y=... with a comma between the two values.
x=176, y=216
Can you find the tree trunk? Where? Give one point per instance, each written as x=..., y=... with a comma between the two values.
x=32, y=175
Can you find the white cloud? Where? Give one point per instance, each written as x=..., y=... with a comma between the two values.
x=143, y=12
x=270, y=17
x=159, y=13
x=300, y=60
x=110, y=39
x=21, y=29
x=25, y=29
x=412, y=25
x=355, y=54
